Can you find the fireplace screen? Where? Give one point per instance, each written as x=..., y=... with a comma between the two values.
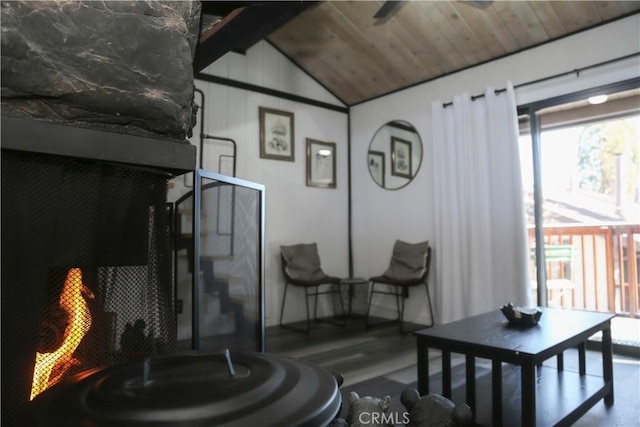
x=86, y=270
x=221, y=306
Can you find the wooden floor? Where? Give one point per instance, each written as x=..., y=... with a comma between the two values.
x=379, y=361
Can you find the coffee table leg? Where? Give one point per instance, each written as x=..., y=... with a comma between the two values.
x=560, y=359
x=471, y=383
x=582, y=364
x=528, y=378
x=423, y=368
x=607, y=363
x=496, y=391
x=446, y=374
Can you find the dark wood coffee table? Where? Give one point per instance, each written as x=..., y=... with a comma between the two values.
x=564, y=396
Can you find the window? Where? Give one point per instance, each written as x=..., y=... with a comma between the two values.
x=580, y=179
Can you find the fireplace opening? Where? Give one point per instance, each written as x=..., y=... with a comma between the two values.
x=86, y=270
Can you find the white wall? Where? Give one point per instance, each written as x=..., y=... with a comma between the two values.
x=264, y=66
x=381, y=216
x=295, y=213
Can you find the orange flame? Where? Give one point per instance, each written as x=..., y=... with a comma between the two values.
x=59, y=361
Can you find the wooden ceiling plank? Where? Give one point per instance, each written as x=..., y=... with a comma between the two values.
x=586, y=13
x=421, y=52
x=289, y=38
x=361, y=23
x=564, y=10
x=499, y=30
x=549, y=18
x=629, y=6
x=343, y=82
x=466, y=36
x=478, y=28
x=385, y=40
x=316, y=52
x=531, y=22
x=413, y=24
x=522, y=22
x=363, y=51
x=422, y=64
x=436, y=37
x=336, y=68
x=510, y=20
x=333, y=76
x=413, y=67
x=331, y=59
x=608, y=9
x=446, y=19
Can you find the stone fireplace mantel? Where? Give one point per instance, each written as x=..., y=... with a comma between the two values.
x=119, y=66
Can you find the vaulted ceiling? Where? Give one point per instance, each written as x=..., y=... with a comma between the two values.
x=360, y=50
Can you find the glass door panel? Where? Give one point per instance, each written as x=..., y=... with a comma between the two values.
x=589, y=160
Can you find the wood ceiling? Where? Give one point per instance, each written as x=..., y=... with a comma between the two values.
x=358, y=57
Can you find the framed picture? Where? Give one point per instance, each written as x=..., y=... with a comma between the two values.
x=321, y=164
x=276, y=135
x=400, y=157
x=376, y=166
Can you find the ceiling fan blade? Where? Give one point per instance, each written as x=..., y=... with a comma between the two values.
x=388, y=9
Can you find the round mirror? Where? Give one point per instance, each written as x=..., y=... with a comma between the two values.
x=395, y=155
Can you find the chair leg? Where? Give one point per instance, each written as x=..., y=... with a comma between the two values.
x=315, y=304
x=388, y=291
x=344, y=312
x=373, y=285
x=401, y=310
x=282, y=325
x=400, y=293
x=402, y=330
x=306, y=300
x=342, y=322
x=399, y=297
x=284, y=298
x=426, y=284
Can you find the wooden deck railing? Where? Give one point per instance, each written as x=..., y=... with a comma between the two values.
x=603, y=272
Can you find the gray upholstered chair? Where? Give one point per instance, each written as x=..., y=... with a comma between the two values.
x=301, y=267
x=409, y=267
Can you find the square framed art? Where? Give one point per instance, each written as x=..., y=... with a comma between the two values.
x=276, y=134
x=400, y=157
x=321, y=164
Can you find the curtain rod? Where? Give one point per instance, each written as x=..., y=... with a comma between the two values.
x=577, y=72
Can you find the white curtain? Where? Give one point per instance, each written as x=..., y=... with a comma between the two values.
x=481, y=247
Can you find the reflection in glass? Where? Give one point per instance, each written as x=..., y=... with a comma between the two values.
x=398, y=143
x=376, y=166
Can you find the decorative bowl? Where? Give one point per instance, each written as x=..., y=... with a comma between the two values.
x=521, y=316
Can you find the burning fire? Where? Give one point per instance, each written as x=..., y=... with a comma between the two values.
x=58, y=361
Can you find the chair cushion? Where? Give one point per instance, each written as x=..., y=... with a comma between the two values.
x=302, y=261
x=408, y=261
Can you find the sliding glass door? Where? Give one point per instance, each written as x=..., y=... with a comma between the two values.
x=581, y=166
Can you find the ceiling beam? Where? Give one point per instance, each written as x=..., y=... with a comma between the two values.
x=243, y=27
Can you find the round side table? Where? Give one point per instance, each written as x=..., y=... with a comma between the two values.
x=357, y=296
